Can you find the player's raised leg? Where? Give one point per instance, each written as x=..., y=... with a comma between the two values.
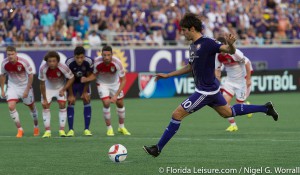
x=121, y=114
x=15, y=117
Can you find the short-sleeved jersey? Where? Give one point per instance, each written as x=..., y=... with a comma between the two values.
x=202, y=61
x=17, y=72
x=234, y=65
x=108, y=74
x=55, y=78
x=80, y=70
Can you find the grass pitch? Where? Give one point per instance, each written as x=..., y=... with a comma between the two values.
x=201, y=142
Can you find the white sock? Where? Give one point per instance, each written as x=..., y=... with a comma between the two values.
x=106, y=113
x=46, y=118
x=15, y=116
x=121, y=114
x=231, y=121
x=109, y=127
x=62, y=118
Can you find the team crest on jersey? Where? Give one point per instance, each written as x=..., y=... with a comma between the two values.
x=198, y=46
x=58, y=74
x=112, y=69
x=19, y=67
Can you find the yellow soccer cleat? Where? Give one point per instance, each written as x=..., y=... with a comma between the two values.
x=36, y=132
x=87, y=132
x=232, y=128
x=20, y=133
x=124, y=131
x=249, y=115
x=71, y=133
x=62, y=133
x=110, y=132
x=47, y=134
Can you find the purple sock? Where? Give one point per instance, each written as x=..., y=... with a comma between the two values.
x=87, y=111
x=70, y=114
x=242, y=109
x=169, y=133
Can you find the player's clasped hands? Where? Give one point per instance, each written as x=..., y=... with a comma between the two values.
x=83, y=80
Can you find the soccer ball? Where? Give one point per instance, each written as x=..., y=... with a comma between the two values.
x=117, y=153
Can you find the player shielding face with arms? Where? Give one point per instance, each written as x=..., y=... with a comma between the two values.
x=80, y=65
x=238, y=80
x=55, y=78
x=19, y=86
x=110, y=75
x=207, y=91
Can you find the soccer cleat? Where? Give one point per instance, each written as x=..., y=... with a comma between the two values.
x=124, y=131
x=232, y=128
x=271, y=111
x=36, y=132
x=110, y=132
x=152, y=150
x=47, y=134
x=249, y=115
x=20, y=133
x=71, y=133
x=62, y=133
x=87, y=132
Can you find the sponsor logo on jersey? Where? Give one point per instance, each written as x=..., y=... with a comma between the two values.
x=112, y=69
x=58, y=74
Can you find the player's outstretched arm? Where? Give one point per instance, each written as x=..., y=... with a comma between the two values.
x=186, y=69
x=229, y=48
x=2, y=83
x=91, y=77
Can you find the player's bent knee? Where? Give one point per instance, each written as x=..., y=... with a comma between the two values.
x=11, y=107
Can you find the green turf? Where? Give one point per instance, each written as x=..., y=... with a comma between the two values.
x=200, y=142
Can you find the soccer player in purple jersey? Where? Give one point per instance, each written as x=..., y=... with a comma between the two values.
x=207, y=92
x=80, y=65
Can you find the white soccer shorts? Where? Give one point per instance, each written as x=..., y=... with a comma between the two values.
x=106, y=91
x=14, y=93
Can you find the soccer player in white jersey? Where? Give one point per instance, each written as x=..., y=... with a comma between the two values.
x=238, y=80
x=53, y=83
x=110, y=81
x=20, y=78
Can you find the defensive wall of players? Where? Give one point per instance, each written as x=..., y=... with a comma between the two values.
x=275, y=69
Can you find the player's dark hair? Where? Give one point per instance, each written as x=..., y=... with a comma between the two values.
x=190, y=20
x=51, y=54
x=11, y=48
x=222, y=40
x=79, y=50
x=107, y=48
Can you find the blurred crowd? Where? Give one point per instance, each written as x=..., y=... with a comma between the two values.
x=37, y=23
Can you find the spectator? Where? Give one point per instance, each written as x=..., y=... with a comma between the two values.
x=73, y=13
x=30, y=39
x=47, y=19
x=171, y=32
x=2, y=42
x=259, y=39
x=63, y=8
x=9, y=39
x=40, y=40
x=94, y=39
x=158, y=37
x=28, y=19
x=54, y=9
x=77, y=41
x=81, y=27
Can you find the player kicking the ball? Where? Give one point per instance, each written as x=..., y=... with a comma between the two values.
x=238, y=79
x=81, y=66
x=20, y=78
x=110, y=81
x=207, y=91
x=52, y=76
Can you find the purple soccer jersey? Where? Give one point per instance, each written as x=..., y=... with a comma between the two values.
x=80, y=71
x=202, y=61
